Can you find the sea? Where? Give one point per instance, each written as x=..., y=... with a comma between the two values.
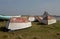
x=57, y=17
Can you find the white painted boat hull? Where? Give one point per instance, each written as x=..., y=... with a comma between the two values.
x=48, y=22
x=31, y=19
x=51, y=21
x=16, y=26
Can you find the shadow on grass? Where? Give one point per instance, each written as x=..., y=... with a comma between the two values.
x=3, y=29
x=4, y=20
x=35, y=38
x=41, y=24
x=1, y=20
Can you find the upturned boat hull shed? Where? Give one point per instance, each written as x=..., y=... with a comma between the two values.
x=18, y=23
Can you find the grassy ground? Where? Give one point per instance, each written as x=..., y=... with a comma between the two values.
x=37, y=31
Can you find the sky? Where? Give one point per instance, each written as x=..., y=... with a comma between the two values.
x=29, y=7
